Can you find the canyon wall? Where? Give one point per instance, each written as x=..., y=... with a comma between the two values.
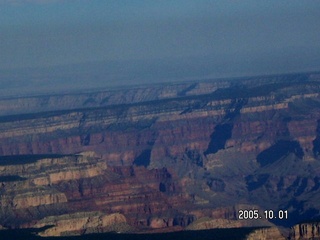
x=164, y=156
x=304, y=231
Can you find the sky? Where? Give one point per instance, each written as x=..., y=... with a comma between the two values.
x=186, y=38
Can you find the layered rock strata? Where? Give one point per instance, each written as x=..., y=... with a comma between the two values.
x=266, y=234
x=165, y=156
x=305, y=231
x=82, y=223
x=38, y=187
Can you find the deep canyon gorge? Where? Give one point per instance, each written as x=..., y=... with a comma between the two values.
x=164, y=158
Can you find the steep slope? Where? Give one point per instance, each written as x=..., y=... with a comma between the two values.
x=167, y=155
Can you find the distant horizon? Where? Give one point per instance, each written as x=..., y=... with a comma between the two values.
x=150, y=41
x=23, y=88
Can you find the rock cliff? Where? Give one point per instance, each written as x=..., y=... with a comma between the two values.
x=266, y=234
x=82, y=223
x=167, y=155
x=305, y=231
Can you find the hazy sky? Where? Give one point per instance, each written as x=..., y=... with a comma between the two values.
x=249, y=36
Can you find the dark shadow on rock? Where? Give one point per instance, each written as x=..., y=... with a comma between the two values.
x=195, y=157
x=216, y=184
x=255, y=182
x=143, y=159
x=85, y=140
x=280, y=149
x=316, y=142
x=222, y=132
x=219, y=138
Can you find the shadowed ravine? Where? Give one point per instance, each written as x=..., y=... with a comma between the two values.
x=164, y=158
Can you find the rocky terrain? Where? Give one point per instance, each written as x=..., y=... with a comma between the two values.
x=307, y=230
x=164, y=158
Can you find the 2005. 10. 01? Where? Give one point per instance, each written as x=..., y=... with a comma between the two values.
x=267, y=214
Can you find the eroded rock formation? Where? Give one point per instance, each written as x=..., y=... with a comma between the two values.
x=305, y=231
x=165, y=156
x=82, y=223
x=272, y=233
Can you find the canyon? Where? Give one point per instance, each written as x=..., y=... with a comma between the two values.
x=165, y=158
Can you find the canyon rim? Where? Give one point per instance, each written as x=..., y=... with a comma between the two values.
x=167, y=157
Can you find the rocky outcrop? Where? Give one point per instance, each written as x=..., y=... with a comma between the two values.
x=35, y=199
x=305, y=231
x=82, y=223
x=272, y=233
x=65, y=184
x=207, y=223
